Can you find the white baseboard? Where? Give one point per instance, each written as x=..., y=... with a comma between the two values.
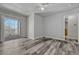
x=72, y=38
x=52, y=38
x=39, y=37
x=55, y=38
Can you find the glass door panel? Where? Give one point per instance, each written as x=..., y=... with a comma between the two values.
x=11, y=28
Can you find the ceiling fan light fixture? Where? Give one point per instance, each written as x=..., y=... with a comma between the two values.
x=42, y=8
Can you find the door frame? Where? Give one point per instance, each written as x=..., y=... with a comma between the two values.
x=2, y=26
x=77, y=20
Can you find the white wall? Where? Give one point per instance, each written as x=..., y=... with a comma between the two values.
x=23, y=27
x=31, y=26
x=51, y=26
x=38, y=26
x=55, y=24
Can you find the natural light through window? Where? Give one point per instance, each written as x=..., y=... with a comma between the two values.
x=10, y=27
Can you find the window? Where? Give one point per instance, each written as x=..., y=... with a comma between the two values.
x=11, y=28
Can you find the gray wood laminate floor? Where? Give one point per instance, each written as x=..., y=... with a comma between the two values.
x=44, y=46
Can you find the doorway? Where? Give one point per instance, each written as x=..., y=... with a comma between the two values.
x=71, y=28
x=66, y=28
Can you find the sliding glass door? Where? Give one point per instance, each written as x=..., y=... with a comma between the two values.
x=11, y=28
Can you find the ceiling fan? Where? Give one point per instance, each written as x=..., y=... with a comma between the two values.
x=42, y=6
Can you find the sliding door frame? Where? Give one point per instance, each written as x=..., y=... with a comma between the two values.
x=2, y=26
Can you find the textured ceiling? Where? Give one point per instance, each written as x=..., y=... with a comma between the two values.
x=34, y=7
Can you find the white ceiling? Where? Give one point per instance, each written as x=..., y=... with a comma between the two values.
x=34, y=7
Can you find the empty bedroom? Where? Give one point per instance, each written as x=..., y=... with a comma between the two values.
x=39, y=28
